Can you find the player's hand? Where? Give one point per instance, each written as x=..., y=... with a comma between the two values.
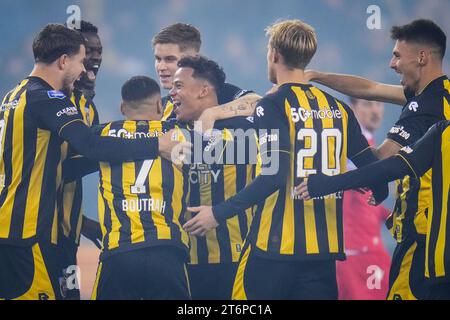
x=91, y=230
x=301, y=191
x=172, y=149
x=203, y=222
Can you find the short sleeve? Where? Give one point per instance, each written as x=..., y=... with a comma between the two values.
x=230, y=92
x=408, y=130
x=272, y=127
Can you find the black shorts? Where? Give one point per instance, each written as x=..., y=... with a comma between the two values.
x=407, y=275
x=70, y=287
x=30, y=273
x=153, y=273
x=259, y=278
x=211, y=281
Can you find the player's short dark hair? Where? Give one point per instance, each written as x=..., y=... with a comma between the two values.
x=184, y=35
x=139, y=88
x=54, y=40
x=206, y=69
x=85, y=26
x=422, y=31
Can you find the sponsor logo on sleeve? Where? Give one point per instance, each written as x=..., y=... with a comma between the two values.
x=69, y=111
x=54, y=94
x=400, y=130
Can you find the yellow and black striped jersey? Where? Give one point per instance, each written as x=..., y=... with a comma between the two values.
x=31, y=118
x=141, y=203
x=409, y=217
x=168, y=109
x=226, y=94
x=431, y=154
x=71, y=195
x=214, y=183
x=319, y=133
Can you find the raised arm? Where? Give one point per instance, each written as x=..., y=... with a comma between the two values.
x=359, y=87
x=243, y=106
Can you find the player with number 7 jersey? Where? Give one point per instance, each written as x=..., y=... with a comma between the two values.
x=141, y=206
x=141, y=203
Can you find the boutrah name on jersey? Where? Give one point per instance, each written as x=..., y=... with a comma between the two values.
x=54, y=94
x=69, y=111
x=145, y=204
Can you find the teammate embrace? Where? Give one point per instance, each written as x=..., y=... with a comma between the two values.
x=266, y=229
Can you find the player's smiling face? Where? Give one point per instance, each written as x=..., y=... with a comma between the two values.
x=167, y=56
x=94, y=50
x=73, y=69
x=185, y=94
x=405, y=62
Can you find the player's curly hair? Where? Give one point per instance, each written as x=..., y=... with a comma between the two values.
x=206, y=69
x=295, y=40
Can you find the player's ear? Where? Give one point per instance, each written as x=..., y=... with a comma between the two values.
x=206, y=89
x=276, y=56
x=159, y=106
x=62, y=62
x=122, y=108
x=423, y=57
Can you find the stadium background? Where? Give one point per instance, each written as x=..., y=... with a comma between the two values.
x=232, y=34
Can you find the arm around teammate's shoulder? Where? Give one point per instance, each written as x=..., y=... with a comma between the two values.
x=359, y=87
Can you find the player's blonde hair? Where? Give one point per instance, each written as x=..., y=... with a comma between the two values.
x=295, y=40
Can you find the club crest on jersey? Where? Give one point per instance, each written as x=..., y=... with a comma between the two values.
x=310, y=95
x=54, y=94
x=413, y=106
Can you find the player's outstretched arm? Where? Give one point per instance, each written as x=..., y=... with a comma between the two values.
x=359, y=87
x=244, y=106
